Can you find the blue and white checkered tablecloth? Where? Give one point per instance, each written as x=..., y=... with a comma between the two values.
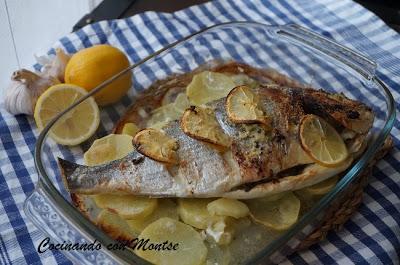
x=372, y=236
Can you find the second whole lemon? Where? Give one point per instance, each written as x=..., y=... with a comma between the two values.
x=92, y=66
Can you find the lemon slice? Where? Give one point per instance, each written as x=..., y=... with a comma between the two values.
x=277, y=214
x=208, y=86
x=321, y=141
x=108, y=148
x=201, y=124
x=75, y=126
x=130, y=129
x=242, y=106
x=156, y=145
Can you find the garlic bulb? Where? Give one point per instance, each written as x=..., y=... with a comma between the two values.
x=25, y=88
x=56, y=66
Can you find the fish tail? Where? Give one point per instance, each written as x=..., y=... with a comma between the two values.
x=67, y=169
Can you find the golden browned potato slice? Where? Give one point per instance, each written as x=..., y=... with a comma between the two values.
x=321, y=141
x=200, y=123
x=127, y=206
x=156, y=145
x=242, y=106
x=190, y=248
x=277, y=214
x=194, y=212
x=166, y=208
x=114, y=225
x=228, y=207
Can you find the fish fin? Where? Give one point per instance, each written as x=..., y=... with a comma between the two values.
x=67, y=168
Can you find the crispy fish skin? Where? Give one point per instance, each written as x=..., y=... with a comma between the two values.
x=257, y=153
x=202, y=172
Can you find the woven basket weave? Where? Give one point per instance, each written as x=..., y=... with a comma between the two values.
x=342, y=209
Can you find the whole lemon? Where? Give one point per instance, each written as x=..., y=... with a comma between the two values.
x=91, y=66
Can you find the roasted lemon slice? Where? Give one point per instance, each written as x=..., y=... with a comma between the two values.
x=208, y=86
x=242, y=106
x=75, y=126
x=321, y=141
x=130, y=129
x=228, y=207
x=127, y=206
x=277, y=214
x=200, y=123
x=108, y=148
x=156, y=145
x=189, y=246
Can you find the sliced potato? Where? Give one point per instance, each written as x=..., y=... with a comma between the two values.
x=130, y=129
x=169, y=112
x=166, y=208
x=221, y=230
x=181, y=103
x=194, y=212
x=244, y=80
x=156, y=145
x=228, y=207
x=114, y=225
x=127, y=206
x=279, y=214
x=320, y=188
x=242, y=106
x=208, y=86
x=201, y=124
x=108, y=148
x=191, y=249
x=162, y=115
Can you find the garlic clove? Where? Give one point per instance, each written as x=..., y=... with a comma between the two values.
x=17, y=100
x=56, y=67
x=25, y=88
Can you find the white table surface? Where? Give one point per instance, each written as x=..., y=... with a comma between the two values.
x=29, y=27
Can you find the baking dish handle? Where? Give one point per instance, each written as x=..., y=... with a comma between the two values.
x=325, y=46
x=45, y=216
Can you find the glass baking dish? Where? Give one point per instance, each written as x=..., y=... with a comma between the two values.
x=305, y=56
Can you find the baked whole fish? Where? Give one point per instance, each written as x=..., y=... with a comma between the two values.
x=260, y=160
